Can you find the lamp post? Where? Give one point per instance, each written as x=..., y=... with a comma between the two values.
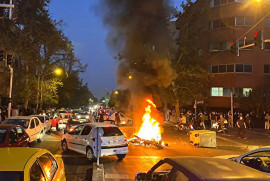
x=57, y=71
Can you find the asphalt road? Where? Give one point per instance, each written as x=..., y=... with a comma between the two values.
x=141, y=158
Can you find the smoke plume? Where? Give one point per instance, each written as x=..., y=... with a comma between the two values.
x=138, y=33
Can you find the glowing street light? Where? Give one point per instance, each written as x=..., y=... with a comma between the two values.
x=58, y=71
x=130, y=77
x=116, y=92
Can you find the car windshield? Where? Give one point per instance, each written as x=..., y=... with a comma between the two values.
x=111, y=131
x=41, y=118
x=3, y=133
x=18, y=176
x=22, y=122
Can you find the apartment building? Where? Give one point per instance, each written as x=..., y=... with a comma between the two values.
x=221, y=24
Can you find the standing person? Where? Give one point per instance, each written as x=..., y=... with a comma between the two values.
x=117, y=118
x=241, y=127
x=248, y=121
x=202, y=119
x=221, y=123
x=266, y=123
x=101, y=118
x=212, y=118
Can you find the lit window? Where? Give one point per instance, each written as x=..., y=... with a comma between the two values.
x=217, y=91
x=246, y=91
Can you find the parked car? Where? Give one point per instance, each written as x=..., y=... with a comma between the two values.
x=32, y=126
x=13, y=136
x=27, y=164
x=200, y=169
x=124, y=120
x=83, y=139
x=46, y=121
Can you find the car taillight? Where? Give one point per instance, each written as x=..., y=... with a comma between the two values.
x=101, y=141
x=125, y=139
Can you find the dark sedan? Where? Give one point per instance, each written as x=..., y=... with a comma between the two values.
x=13, y=136
x=200, y=169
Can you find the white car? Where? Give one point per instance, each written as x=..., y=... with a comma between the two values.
x=83, y=139
x=124, y=120
x=46, y=121
x=32, y=126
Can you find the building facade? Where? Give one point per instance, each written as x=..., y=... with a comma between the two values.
x=221, y=25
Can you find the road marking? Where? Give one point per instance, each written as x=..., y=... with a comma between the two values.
x=119, y=176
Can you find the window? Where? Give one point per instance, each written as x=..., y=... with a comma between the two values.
x=8, y=175
x=267, y=68
x=22, y=122
x=222, y=69
x=217, y=91
x=77, y=130
x=239, y=68
x=111, y=131
x=166, y=168
x=12, y=136
x=86, y=130
x=37, y=121
x=246, y=91
x=214, y=3
x=240, y=21
x=214, y=69
x=230, y=68
x=254, y=161
x=36, y=173
x=243, y=21
x=32, y=125
x=216, y=24
x=41, y=118
x=48, y=165
x=20, y=132
x=248, y=68
x=227, y=92
x=3, y=133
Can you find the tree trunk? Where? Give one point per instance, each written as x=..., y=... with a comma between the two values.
x=38, y=91
x=26, y=85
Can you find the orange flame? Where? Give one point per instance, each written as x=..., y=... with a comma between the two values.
x=150, y=129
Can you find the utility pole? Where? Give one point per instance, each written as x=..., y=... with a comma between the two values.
x=10, y=90
x=232, y=103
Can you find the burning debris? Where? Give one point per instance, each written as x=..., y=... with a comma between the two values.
x=150, y=130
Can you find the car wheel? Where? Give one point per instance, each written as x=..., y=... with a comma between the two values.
x=64, y=146
x=28, y=145
x=90, y=155
x=41, y=134
x=121, y=156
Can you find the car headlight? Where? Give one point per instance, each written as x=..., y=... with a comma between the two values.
x=28, y=139
x=87, y=117
x=78, y=117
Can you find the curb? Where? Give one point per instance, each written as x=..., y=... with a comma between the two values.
x=98, y=172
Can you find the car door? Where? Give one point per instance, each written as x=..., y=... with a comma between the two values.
x=48, y=122
x=39, y=127
x=72, y=137
x=76, y=138
x=31, y=130
x=84, y=138
x=36, y=172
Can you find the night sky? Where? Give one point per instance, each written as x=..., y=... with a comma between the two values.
x=86, y=31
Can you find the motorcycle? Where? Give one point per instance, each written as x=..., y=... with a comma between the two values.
x=217, y=127
x=184, y=127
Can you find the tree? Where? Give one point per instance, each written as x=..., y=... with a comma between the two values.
x=120, y=100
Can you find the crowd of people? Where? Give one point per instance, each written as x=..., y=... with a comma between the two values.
x=238, y=120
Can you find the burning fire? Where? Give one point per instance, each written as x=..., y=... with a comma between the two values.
x=150, y=129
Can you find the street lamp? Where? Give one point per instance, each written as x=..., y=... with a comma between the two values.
x=130, y=77
x=58, y=71
x=116, y=92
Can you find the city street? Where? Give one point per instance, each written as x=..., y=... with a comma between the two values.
x=142, y=158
